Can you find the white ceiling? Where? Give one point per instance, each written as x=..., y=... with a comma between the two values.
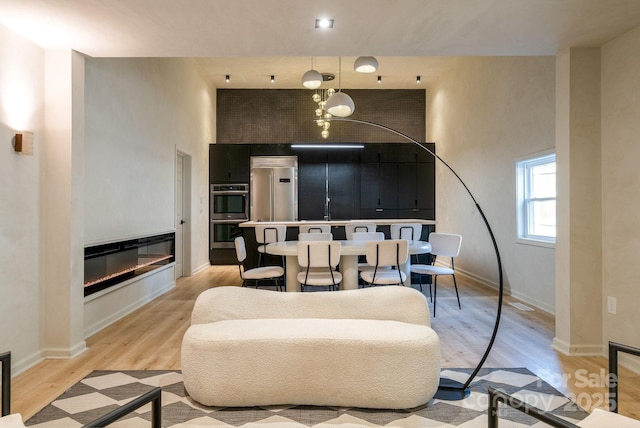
x=253, y=39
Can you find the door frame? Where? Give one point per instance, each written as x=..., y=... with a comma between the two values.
x=186, y=210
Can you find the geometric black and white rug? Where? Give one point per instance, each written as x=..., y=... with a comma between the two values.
x=103, y=391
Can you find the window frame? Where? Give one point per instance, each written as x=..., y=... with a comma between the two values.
x=523, y=198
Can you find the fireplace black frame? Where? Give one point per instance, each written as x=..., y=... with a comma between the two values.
x=109, y=264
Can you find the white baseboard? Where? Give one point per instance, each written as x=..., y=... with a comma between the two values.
x=475, y=277
x=543, y=306
x=26, y=363
x=109, y=308
x=65, y=353
x=582, y=350
x=200, y=268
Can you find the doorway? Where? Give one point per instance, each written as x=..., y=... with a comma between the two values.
x=182, y=214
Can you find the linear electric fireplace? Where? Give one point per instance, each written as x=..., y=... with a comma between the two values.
x=106, y=265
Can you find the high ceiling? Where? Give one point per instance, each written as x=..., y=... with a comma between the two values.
x=253, y=39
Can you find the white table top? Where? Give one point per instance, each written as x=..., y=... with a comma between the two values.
x=349, y=248
x=377, y=221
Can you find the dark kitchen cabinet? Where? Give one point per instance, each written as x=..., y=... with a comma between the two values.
x=416, y=188
x=323, y=173
x=381, y=152
x=312, y=174
x=383, y=180
x=343, y=184
x=229, y=163
x=270, y=150
x=401, y=184
x=378, y=190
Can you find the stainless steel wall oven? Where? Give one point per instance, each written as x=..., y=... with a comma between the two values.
x=229, y=206
x=230, y=202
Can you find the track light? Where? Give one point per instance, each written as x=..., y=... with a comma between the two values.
x=366, y=64
x=226, y=78
x=324, y=23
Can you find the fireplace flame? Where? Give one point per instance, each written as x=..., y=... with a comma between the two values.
x=142, y=262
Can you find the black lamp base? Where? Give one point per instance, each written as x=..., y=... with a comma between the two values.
x=451, y=390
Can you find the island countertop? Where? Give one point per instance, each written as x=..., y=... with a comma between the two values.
x=376, y=221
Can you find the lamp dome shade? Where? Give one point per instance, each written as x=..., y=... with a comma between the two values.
x=312, y=79
x=340, y=105
x=365, y=64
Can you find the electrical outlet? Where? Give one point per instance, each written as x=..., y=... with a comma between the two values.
x=611, y=305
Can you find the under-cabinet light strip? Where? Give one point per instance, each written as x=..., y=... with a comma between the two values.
x=327, y=146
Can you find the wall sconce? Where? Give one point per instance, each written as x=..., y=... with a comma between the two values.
x=24, y=143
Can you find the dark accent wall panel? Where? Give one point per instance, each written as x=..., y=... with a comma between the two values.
x=286, y=116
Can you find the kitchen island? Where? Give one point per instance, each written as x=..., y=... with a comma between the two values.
x=341, y=223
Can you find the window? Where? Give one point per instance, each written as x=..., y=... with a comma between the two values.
x=536, y=181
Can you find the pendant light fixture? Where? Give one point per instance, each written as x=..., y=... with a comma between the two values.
x=312, y=79
x=365, y=64
x=340, y=104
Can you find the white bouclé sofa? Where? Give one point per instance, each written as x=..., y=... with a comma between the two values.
x=371, y=348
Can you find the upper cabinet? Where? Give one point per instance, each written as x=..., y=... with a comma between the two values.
x=416, y=184
x=381, y=152
x=229, y=163
x=397, y=181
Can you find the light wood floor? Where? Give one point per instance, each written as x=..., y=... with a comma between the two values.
x=150, y=339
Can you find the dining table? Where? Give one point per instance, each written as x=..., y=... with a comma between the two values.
x=350, y=250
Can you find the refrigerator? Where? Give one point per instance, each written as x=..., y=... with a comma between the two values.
x=274, y=188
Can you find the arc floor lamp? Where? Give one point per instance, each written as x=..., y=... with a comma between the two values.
x=449, y=389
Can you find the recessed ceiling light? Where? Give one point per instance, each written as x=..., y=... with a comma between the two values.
x=324, y=23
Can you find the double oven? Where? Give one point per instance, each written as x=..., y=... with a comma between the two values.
x=229, y=206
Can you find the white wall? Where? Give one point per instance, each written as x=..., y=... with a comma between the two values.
x=61, y=215
x=579, y=207
x=21, y=108
x=483, y=115
x=139, y=113
x=621, y=187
